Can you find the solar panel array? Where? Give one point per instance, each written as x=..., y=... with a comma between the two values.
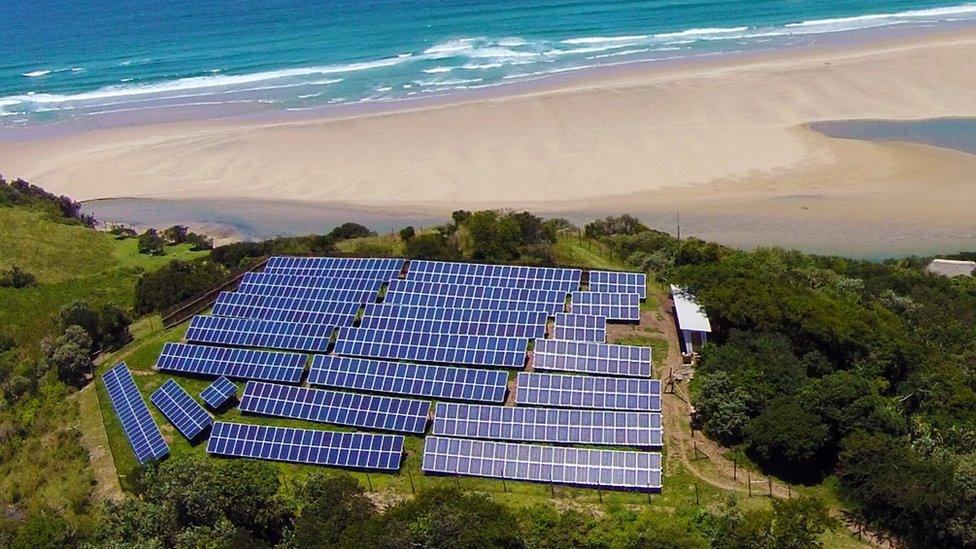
x=552, y=464
x=137, y=423
x=503, y=352
x=461, y=302
x=592, y=358
x=503, y=293
x=599, y=427
x=618, y=282
x=564, y=286
x=532, y=325
x=385, y=267
x=571, y=326
x=232, y=363
x=272, y=334
x=440, y=382
x=315, y=294
x=501, y=272
x=613, y=306
x=255, y=306
x=334, y=448
x=180, y=409
x=387, y=310
x=326, y=406
x=219, y=392
x=252, y=283
x=609, y=393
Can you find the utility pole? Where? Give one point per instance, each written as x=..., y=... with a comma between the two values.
x=678, y=214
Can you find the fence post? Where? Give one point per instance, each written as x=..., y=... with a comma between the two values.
x=413, y=490
x=749, y=478
x=369, y=481
x=697, y=498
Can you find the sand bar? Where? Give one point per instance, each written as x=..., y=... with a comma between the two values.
x=724, y=138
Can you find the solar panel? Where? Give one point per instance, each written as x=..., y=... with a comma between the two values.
x=483, y=292
x=388, y=310
x=137, y=423
x=232, y=363
x=334, y=448
x=601, y=427
x=494, y=271
x=316, y=294
x=537, y=328
x=272, y=334
x=258, y=280
x=218, y=392
x=366, y=411
x=409, y=379
x=282, y=315
x=460, y=302
x=608, y=393
x=180, y=409
x=498, y=351
x=550, y=464
x=357, y=264
x=565, y=286
x=618, y=282
x=246, y=305
x=612, y=306
x=580, y=327
x=592, y=358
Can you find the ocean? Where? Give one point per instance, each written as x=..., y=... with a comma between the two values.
x=85, y=59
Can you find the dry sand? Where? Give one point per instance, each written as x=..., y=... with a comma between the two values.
x=723, y=140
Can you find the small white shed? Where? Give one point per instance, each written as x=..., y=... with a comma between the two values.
x=951, y=267
x=692, y=321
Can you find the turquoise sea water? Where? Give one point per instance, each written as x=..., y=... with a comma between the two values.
x=80, y=59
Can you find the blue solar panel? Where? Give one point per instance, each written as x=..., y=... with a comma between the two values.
x=282, y=315
x=504, y=352
x=137, y=423
x=608, y=393
x=232, y=363
x=618, y=282
x=388, y=310
x=565, y=286
x=218, y=392
x=316, y=294
x=334, y=448
x=592, y=358
x=408, y=379
x=459, y=302
x=366, y=411
x=613, y=306
x=601, y=427
x=522, y=329
x=179, y=407
x=272, y=334
x=551, y=464
x=352, y=264
x=580, y=327
x=248, y=306
x=494, y=271
x=483, y=292
x=256, y=281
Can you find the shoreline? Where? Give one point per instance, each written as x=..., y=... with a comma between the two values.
x=723, y=140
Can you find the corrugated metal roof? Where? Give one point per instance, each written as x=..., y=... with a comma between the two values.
x=691, y=317
x=951, y=267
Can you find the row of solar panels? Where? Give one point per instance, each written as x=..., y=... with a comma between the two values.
x=549, y=354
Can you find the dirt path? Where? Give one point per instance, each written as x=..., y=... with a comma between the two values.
x=95, y=441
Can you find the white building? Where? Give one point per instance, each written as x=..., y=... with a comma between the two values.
x=692, y=321
x=951, y=267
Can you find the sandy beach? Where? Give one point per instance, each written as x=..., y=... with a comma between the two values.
x=719, y=140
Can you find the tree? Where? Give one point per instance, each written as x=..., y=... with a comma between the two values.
x=150, y=243
x=331, y=505
x=350, y=230
x=624, y=224
x=722, y=407
x=113, y=327
x=44, y=529
x=80, y=313
x=70, y=354
x=431, y=246
x=459, y=217
x=789, y=439
x=407, y=233
x=442, y=518
x=176, y=234
x=199, y=242
x=175, y=282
